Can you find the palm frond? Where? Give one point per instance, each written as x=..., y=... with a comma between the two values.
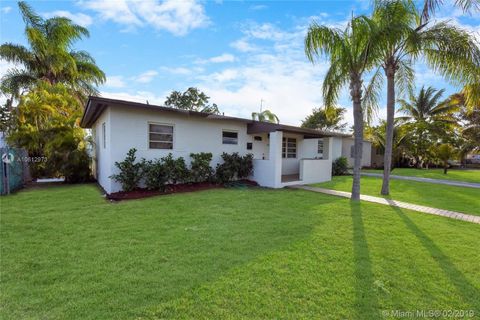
x=372, y=95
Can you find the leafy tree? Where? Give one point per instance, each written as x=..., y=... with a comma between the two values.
x=46, y=125
x=265, y=116
x=445, y=152
x=428, y=119
x=50, y=57
x=450, y=50
x=323, y=120
x=350, y=55
x=192, y=99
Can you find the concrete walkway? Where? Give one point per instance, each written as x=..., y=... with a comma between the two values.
x=394, y=203
x=429, y=180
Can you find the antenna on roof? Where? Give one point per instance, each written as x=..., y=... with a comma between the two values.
x=147, y=102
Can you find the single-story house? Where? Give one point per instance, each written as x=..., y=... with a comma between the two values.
x=283, y=154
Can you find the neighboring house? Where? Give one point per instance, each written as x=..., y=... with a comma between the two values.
x=283, y=155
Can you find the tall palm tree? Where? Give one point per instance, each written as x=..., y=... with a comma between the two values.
x=350, y=55
x=449, y=50
x=428, y=117
x=50, y=56
x=265, y=116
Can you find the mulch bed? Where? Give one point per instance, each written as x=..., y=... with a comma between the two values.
x=175, y=188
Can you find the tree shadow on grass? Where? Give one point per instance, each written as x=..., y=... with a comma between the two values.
x=467, y=290
x=366, y=303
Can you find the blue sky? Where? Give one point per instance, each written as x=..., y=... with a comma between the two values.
x=239, y=52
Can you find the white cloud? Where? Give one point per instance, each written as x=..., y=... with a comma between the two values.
x=177, y=70
x=6, y=10
x=243, y=45
x=258, y=7
x=226, y=57
x=146, y=77
x=115, y=82
x=138, y=96
x=176, y=17
x=78, y=18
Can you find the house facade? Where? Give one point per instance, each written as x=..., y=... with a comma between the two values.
x=283, y=155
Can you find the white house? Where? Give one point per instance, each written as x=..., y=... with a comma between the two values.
x=283, y=155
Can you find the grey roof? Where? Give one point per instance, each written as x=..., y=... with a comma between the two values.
x=96, y=105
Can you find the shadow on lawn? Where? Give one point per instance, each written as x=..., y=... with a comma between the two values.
x=468, y=291
x=366, y=299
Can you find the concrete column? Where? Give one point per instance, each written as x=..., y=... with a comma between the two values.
x=275, y=153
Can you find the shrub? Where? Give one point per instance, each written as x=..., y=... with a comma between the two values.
x=245, y=168
x=176, y=169
x=200, y=169
x=77, y=167
x=234, y=166
x=155, y=174
x=340, y=166
x=129, y=172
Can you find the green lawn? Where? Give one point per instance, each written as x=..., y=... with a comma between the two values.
x=461, y=199
x=66, y=253
x=471, y=175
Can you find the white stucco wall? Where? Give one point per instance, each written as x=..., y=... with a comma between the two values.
x=315, y=170
x=102, y=156
x=347, y=143
x=128, y=128
x=336, y=148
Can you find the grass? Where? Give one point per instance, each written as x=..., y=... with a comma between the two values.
x=254, y=253
x=461, y=199
x=471, y=175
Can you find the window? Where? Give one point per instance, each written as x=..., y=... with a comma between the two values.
x=352, y=151
x=229, y=137
x=379, y=151
x=289, y=148
x=104, y=135
x=160, y=136
x=257, y=138
x=320, y=146
x=249, y=146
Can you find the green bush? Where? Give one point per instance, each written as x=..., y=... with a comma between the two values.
x=200, y=170
x=130, y=173
x=76, y=168
x=340, y=166
x=176, y=169
x=154, y=174
x=233, y=167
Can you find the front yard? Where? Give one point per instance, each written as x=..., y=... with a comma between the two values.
x=461, y=199
x=470, y=175
x=66, y=253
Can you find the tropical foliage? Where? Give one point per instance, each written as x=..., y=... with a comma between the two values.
x=265, y=116
x=350, y=56
x=46, y=124
x=49, y=57
x=323, y=120
x=192, y=99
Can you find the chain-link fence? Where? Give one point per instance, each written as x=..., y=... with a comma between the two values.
x=13, y=170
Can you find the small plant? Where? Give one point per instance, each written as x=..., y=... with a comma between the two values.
x=340, y=166
x=234, y=166
x=130, y=173
x=200, y=170
x=155, y=174
x=176, y=169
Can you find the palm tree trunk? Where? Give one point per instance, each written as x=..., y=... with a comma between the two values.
x=387, y=160
x=356, y=93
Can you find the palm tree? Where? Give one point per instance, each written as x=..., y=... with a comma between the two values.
x=265, y=116
x=50, y=57
x=448, y=49
x=428, y=118
x=320, y=119
x=350, y=55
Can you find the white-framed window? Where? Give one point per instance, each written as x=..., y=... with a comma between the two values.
x=289, y=148
x=229, y=137
x=104, y=135
x=320, y=146
x=160, y=136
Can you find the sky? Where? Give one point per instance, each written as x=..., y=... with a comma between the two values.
x=242, y=54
